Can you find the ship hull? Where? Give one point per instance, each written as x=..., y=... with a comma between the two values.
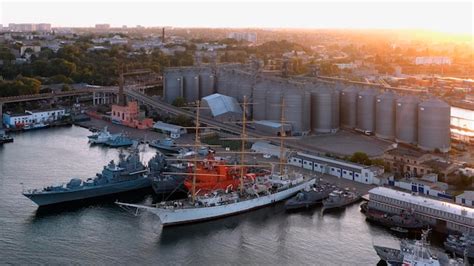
x=53, y=198
x=172, y=217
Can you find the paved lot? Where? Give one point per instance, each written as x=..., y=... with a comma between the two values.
x=346, y=143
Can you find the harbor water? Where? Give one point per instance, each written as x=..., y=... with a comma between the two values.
x=103, y=233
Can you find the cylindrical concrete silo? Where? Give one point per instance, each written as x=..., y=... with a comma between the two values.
x=406, y=119
x=222, y=82
x=206, y=83
x=259, y=100
x=324, y=110
x=273, y=105
x=173, y=85
x=349, y=107
x=434, y=118
x=191, y=86
x=306, y=112
x=366, y=110
x=385, y=115
x=293, y=109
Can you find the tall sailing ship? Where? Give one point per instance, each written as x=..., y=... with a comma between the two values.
x=251, y=193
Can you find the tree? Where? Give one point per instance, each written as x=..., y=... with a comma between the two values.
x=361, y=158
x=179, y=102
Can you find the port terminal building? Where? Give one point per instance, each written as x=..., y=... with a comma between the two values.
x=338, y=168
x=443, y=216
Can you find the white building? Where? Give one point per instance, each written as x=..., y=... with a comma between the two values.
x=31, y=117
x=243, y=36
x=432, y=60
x=440, y=215
x=466, y=198
x=342, y=169
x=467, y=171
x=173, y=130
x=428, y=185
x=267, y=148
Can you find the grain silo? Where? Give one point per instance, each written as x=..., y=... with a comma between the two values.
x=191, y=85
x=206, y=83
x=173, y=85
x=434, y=118
x=385, y=115
x=293, y=109
x=222, y=82
x=273, y=96
x=406, y=119
x=349, y=107
x=366, y=110
x=259, y=100
x=324, y=110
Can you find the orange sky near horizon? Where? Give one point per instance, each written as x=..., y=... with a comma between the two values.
x=449, y=17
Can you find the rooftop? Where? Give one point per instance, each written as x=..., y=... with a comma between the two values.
x=468, y=194
x=423, y=201
x=402, y=151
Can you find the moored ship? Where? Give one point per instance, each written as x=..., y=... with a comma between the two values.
x=102, y=136
x=167, y=146
x=220, y=203
x=340, y=199
x=4, y=138
x=403, y=220
x=126, y=175
x=310, y=196
x=414, y=253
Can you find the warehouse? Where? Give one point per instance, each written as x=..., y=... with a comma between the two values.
x=173, y=130
x=325, y=165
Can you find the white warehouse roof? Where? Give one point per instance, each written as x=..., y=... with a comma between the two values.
x=424, y=201
x=220, y=104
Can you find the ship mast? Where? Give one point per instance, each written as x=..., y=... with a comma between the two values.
x=282, y=135
x=196, y=143
x=244, y=135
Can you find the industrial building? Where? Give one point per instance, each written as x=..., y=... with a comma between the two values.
x=315, y=106
x=221, y=107
x=20, y=120
x=440, y=215
x=338, y=168
x=173, y=131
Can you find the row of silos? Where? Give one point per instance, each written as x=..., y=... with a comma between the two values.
x=189, y=83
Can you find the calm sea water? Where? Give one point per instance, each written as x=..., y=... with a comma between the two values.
x=105, y=234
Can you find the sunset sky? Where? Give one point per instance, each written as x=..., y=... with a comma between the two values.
x=452, y=17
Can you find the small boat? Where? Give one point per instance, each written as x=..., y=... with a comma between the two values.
x=4, y=138
x=119, y=141
x=309, y=197
x=399, y=229
x=340, y=199
x=34, y=126
x=102, y=136
x=166, y=145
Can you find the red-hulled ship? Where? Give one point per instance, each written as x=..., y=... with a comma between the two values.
x=212, y=174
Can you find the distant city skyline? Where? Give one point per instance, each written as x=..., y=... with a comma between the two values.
x=450, y=17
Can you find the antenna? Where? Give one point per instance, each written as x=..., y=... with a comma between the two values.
x=196, y=143
x=244, y=135
x=282, y=134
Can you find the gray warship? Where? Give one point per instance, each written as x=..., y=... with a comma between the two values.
x=126, y=175
x=167, y=146
x=309, y=197
x=416, y=252
x=165, y=183
x=404, y=220
x=340, y=199
x=461, y=245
